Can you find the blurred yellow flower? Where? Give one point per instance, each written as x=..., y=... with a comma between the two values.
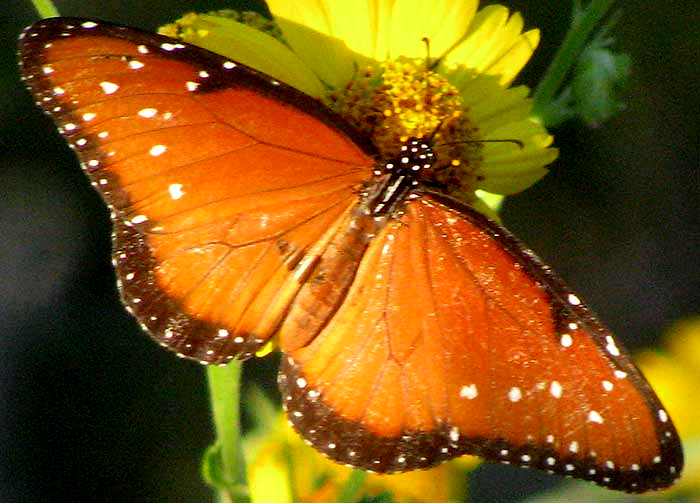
x=675, y=375
x=283, y=469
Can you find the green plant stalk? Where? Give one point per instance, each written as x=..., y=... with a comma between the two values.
x=582, y=25
x=45, y=8
x=224, y=391
x=353, y=487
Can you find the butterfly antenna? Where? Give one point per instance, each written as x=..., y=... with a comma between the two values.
x=463, y=142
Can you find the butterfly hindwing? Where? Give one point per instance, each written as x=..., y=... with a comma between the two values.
x=456, y=340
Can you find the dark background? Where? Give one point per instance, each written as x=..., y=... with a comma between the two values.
x=91, y=409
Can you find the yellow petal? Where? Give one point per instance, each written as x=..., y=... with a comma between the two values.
x=476, y=49
x=442, y=22
x=253, y=48
x=327, y=57
x=354, y=22
x=310, y=13
x=509, y=64
x=382, y=37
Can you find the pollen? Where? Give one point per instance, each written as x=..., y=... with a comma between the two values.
x=403, y=99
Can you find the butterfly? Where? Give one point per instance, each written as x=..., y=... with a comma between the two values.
x=413, y=328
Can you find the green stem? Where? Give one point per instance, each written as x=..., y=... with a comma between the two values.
x=45, y=8
x=353, y=487
x=582, y=25
x=224, y=390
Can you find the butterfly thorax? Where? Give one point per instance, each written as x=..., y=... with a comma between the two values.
x=399, y=176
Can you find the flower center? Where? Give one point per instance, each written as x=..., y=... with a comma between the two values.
x=403, y=99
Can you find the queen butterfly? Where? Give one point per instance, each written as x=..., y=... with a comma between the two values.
x=413, y=328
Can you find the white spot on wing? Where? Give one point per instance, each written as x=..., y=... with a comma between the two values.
x=47, y=69
x=135, y=65
x=109, y=87
x=607, y=385
x=611, y=347
x=663, y=417
x=58, y=91
x=167, y=46
x=222, y=333
x=566, y=340
x=191, y=86
x=157, y=150
x=176, y=191
x=595, y=417
x=469, y=392
x=147, y=113
x=555, y=389
x=88, y=116
x=142, y=49
x=229, y=65
x=514, y=395
x=139, y=219
x=620, y=374
x=89, y=24
x=573, y=300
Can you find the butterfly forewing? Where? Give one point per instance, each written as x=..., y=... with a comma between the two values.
x=454, y=339
x=220, y=180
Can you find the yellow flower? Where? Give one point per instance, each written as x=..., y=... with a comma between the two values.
x=405, y=68
x=282, y=469
x=675, y=375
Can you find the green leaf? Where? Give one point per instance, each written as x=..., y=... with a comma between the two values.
x=353, y=486
x=600, y=78
x=380, y=498
x=211, y=469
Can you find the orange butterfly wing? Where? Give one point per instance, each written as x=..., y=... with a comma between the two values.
x=225, y=186
x=454, y=340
